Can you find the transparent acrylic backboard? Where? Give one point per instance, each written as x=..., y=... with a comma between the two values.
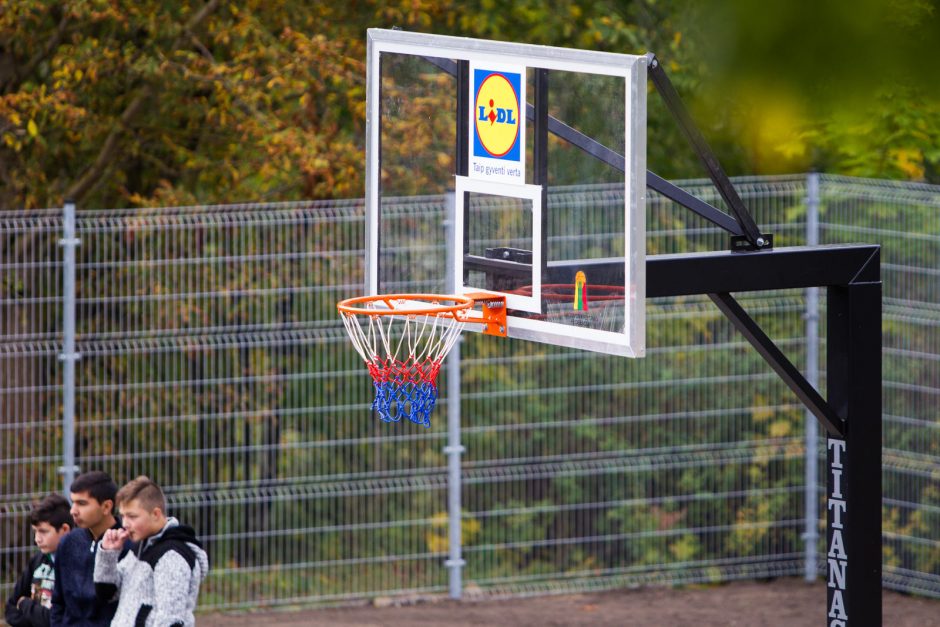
x=473, y=185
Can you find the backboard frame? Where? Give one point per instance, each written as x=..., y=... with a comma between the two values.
x=631, y=68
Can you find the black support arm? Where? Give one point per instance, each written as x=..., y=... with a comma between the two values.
x=831, y=421
x=703, y=150
x=613, y=159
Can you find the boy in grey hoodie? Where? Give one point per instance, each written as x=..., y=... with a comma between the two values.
x=157, y=584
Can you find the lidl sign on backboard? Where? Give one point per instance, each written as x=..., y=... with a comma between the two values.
x=497, y=123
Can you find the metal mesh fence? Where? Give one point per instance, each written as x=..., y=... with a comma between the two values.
x=30, y=378
x=213, y=361
x=905, y=220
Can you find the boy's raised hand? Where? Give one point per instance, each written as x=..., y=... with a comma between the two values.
x=113, y=539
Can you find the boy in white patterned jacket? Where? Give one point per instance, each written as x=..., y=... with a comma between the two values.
x=158, y=583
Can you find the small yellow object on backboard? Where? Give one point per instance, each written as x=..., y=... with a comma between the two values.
x=580, y=292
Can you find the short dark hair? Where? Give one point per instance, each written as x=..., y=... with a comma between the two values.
x=54, y=509
x=97, y=483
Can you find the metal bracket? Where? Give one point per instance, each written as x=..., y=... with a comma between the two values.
x=493, y=314
x=451, y=450
x=64, y=469
x=505, y=253
x=741, y=244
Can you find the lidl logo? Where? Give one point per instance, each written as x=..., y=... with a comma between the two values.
x=497, y=113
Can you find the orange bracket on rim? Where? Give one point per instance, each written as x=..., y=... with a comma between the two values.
x=493, y=315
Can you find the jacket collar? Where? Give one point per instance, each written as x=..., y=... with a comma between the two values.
x=171, y=522
x=118, y=524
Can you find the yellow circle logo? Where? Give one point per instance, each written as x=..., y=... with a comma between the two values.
x=497, y=115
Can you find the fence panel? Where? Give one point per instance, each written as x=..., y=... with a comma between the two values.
x=585, y=471
x=905, y=219
x=30, y=377
x=212, y=360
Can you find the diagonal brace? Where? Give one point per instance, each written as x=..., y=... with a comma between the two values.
x=703, y=150
x=693, y=203
x=615, y=160
x=781, y=365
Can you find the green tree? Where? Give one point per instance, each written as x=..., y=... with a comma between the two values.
x=177, y=102
x=208, y=101
x=169, y=103
x=847, y=89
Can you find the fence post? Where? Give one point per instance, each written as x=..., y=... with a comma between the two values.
x=811, y=480
x=454, y=448
x=68, y=356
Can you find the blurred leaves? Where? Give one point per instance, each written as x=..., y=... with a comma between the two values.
x=842, y=88
x=157, y=103
x=438, y=538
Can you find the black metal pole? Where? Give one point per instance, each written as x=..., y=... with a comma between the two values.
x=461, y=145
x=540, y=154
x=853, y=486
x=462, y=156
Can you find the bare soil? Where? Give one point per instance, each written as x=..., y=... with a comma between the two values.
x=789, y=602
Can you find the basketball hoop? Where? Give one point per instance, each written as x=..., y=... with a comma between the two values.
x=403, y=339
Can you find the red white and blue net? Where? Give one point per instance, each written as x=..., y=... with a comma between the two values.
x=403, y=339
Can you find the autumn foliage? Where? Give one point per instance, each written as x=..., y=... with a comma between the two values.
x=205, y=101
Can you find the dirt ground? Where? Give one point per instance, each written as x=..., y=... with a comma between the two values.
x=782, y=602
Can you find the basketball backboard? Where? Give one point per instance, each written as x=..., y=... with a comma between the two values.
x=559, y=233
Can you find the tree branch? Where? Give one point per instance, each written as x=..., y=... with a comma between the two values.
x=51, y=44
x=197, y=19
x=111, y=147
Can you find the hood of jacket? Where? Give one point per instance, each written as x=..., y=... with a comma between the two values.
x=175, y=536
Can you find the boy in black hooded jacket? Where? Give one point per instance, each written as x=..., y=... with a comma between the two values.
x=31, y=601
